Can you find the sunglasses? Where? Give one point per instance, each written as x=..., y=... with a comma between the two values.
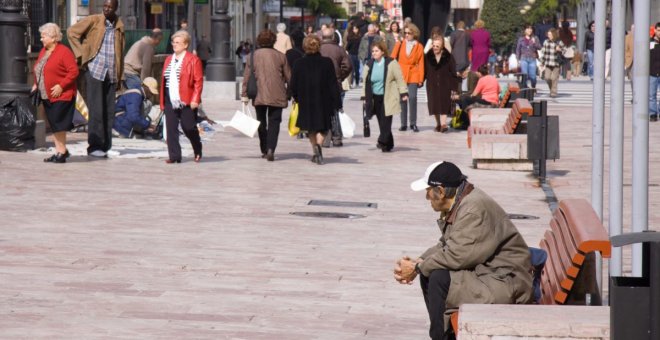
x=407, y=32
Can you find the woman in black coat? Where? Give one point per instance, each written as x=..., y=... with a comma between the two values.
x=314, y=87
x=441, y=79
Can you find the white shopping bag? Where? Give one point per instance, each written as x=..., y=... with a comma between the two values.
x=244, y=122
x=347, y=125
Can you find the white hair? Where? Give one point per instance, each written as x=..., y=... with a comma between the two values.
x=281, y=27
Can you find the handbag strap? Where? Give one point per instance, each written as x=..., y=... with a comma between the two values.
x=252, y=62
x=247, y=111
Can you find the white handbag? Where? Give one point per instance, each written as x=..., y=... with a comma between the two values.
x=347, y=125
x=244, y=122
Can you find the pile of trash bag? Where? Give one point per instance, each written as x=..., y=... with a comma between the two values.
x=17, y=122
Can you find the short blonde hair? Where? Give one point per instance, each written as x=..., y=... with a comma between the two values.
x=414, y=30
x=182, y=34
x=479, y=24
x=51, y=30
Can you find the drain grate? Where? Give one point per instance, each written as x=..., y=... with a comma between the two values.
x=326, y=214
x=343, y=204
x=522, y=217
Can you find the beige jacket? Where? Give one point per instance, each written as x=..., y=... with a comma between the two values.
x=395, y=87
x=487, y=257
x=86, y=36
x=273, y=76
x=629, y=50
x=139, y=56
x=283, y=42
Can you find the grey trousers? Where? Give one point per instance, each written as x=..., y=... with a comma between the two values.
x=411, y=104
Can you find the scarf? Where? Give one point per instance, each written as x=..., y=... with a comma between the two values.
x=173, y=81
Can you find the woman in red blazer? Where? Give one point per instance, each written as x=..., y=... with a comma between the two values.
x=55, y=74
x=180, y=95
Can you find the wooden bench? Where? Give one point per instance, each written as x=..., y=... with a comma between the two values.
x=511, y=90
x=569, y=274
x=497, y=121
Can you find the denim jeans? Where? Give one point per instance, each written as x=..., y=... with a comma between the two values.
x=133, y=81
x=654, y=86
x=528, y=67
x=590, y=62
x=356, y=69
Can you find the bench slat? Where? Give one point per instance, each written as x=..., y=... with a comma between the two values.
x=585, y=227
x=564, y=259
x=553, y=278
x=564, y=237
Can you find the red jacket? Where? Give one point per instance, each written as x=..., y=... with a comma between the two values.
x=190, y=83
x=61, y=68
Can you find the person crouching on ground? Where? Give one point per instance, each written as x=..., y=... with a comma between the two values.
x=273, y=74
x=481, y=256
x=314, y=87
x=384, y=89
x=131, y=104
x=180, y=95
x=55, y=74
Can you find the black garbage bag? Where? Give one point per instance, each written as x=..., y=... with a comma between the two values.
x=17, y=121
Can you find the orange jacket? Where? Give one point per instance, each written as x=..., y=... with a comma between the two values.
x=412, y=66
x=191, y=80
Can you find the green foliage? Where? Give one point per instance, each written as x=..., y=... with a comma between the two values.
x=542, y=9
x=326, y=7
x=503, y=21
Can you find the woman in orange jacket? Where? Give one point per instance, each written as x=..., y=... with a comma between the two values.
x=180, y=96
x=410, y=55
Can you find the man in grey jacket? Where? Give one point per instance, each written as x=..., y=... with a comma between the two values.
x=137, y=62
x=480, y=258
x=343, y=68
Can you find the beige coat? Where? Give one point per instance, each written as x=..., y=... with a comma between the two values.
x=273, y=76
x=86, y=36
x=487, y=257
x=283, y=42
x=629, y=50
x=395, y=87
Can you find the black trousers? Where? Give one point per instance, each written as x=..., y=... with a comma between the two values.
x=385, y=139
x=467, y=100
x=435, y=289
x=101, y=105
x=270, y=118
x=188, y=119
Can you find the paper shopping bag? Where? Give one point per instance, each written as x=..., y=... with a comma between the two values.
x=293, y=119
x=347, y=125
x=244, y=122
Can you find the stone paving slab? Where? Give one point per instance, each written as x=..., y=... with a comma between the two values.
x=130, y=247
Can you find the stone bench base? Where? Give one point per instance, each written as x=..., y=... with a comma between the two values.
x=501, y=152
x=499, y=322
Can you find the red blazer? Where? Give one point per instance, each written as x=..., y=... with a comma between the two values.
x=61, y=68
x=190, y=83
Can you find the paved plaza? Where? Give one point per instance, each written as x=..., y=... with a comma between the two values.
x=131, y=247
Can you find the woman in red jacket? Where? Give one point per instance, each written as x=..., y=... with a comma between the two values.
x=180, y=96
x=55, y=74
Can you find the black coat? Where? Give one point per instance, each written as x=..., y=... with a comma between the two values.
x=441, y=79
x=314, y=86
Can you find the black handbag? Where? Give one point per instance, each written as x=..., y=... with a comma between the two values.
x=252, y=80
x=366, y=131
x=35, y=98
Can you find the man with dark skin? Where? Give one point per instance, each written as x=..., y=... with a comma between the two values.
x=97, y=42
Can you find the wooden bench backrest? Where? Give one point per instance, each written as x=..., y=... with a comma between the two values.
x=575, y=231
x=512, y=88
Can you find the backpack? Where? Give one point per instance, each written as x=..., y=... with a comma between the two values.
x=459, y=120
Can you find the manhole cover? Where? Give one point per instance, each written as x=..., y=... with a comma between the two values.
x=326, y=214
x=343, y=204
x=522, y=217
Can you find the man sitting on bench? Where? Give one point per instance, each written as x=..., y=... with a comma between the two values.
x=481, y=256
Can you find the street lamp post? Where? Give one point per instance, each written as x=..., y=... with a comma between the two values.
x=220, y=67
x=13, y=49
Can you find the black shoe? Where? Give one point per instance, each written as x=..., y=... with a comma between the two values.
x=386, y=149
x=51, y=158
x=380, y=145
x=60, y=158
x=270, y=155
x=66, y=153
x=654, y=118
x=414, y=128
x=319, y=155
x=403, y=128
x=337, y=143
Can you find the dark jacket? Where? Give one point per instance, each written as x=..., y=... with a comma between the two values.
x=204, y=49
x=314, y=86
x=440, y=79
x=191, y=80
x=130, y=103
x=294, y=55
x=655, y=59
x=589, y=41
x=353, y=44
x=339, y=57
x=460, y=46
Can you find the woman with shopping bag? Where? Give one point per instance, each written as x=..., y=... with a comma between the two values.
x=272, y=71
x=384, y=87
x=180, y=95
x=314, y=87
